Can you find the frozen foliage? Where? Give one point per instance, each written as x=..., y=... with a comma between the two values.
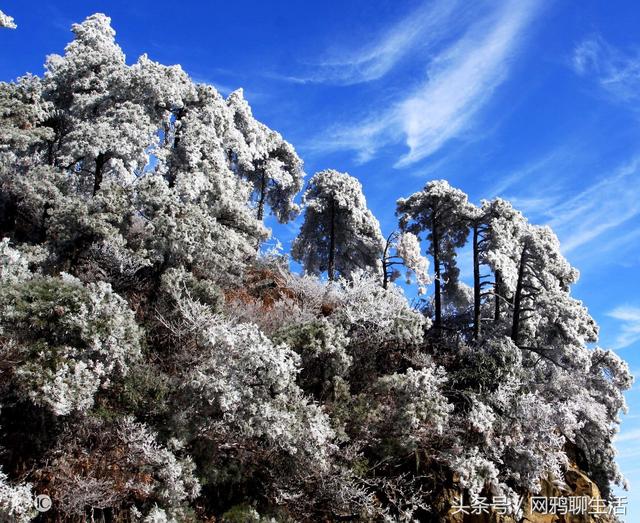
x=322, y=347
x=408, y=248
x=174, y=480
x=339, y=234
x=127, y=464
x=375, y=315
x=7, y=21
x=157, y=515
x=23, y=108
x=14, y=266
x=68, y=339
x=246, y=385
x=137, y=164
x=155, y=366
x=411, y=406
x=16, y=501
x=268, y=162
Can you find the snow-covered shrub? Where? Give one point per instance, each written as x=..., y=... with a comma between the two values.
x=175, y=481
x=247, y=385
x=408, y=409
x=99, y=465
x=322, y=349
x=69, y=340
x=375, y=316
x=14, y=266
x=16, y=502
x=475, y=472
x=178, y=284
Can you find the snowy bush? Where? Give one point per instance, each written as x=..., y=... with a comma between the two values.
x=69, y=340
x=16, y=502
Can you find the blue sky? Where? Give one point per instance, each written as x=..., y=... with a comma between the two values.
x=535, y=101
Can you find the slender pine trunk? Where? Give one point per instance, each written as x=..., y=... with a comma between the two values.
x=263, y=195
x=517, y=298
x=476, y=284
x=332, y=243
x=101, y=160
x=436, y=268
x=497, y=289
x=172, y=174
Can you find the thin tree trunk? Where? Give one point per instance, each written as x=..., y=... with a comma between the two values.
x=332, y=243
x=263, y=194
x=385, y=262
x=101, y=160
x=497, y=289
x=476, y=284
x=517, y=299
x=436, y=268
x=176, y=143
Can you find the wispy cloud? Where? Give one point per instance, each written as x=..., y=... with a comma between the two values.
x=598, y=209
x=536, y=169
x=630, y=327
x=460, y=80
x=629, y=435
x=615, y=71
x=417, y=32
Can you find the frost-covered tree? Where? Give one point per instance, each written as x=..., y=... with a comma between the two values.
x=442, y=212
x=339, y=234
x=499, y=228
x=544, y=275
x=267, y=161
x=7, y=21
x=403, y=248
x=67, y=340
x=101, y=128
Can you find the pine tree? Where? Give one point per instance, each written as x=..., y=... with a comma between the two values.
x=339, y=234
x=267, y=161
x=442, y=212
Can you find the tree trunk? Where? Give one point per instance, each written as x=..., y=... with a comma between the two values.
x=332, y=243
x=517, y=298
x=497, y=289
x=385, y=262
x=476, y=284
x=436, y=267
x=172, y=174
x=101, y=160
x=263, y=194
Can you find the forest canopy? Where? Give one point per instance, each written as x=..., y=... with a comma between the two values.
x=156, y=364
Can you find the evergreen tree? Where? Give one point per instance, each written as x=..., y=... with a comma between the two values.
x=267, y=161
x=339, y=234
x=442, y=212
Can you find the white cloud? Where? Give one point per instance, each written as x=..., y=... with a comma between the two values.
x=630, y=328
x=580, y=219
x=459, y=81
x=616, y=72
x=628, y=435
x=422, y=29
